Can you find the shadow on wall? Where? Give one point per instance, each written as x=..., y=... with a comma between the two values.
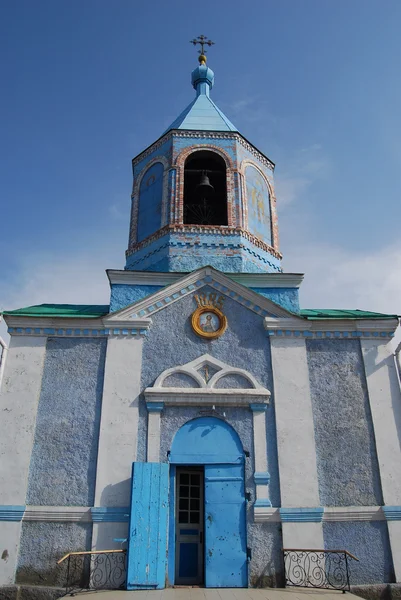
x=43, y=544
x=117, y=494
x=373, y=359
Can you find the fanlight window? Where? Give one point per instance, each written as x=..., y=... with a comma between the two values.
x=205, y=189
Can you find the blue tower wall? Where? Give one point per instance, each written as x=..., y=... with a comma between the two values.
x=150, y=201
x=258, y=204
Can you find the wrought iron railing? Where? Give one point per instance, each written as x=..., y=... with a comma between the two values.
x=327, y=569
x=98, y=570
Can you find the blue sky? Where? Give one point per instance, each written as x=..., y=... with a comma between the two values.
x=87, y=84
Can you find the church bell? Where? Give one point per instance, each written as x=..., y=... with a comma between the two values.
x=204, y=187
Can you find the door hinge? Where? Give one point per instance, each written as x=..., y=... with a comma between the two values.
x=249, y=554
x=248, y=496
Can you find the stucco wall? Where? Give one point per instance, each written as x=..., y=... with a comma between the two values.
x=266, y=567
x=43, y=544
x=286, y=297
x=124, y=294
x=63, y=464
x=171, y=341
x=346, y=453
x=369, y=542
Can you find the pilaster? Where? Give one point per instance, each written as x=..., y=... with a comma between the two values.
x=118, y=434
x=18, y=407
x=154, y=421
x=385, y=406
x=302, y=527
x=261, y=476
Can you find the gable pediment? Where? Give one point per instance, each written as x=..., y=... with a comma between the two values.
x=190, y=284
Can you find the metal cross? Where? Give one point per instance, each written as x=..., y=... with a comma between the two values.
x=202, y=41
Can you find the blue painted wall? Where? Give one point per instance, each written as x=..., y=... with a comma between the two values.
x=369, y=542
x=124, y=294
x=288, y=298
x=346, y=453
x=43, y=544
x=186, y=252
x=258, y=202
x=63, y=463
x=150, y=201
x=245, y=334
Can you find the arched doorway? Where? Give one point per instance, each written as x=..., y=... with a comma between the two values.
x=207, y=539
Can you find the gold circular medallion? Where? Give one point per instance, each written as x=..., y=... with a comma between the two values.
x=209, y=322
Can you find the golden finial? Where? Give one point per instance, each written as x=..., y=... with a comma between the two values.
x=202, y=41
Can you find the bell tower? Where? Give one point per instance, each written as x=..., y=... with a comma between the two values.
x=203, y=195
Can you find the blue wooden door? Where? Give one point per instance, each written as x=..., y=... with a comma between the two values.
x=225, y=526
x=147, y=535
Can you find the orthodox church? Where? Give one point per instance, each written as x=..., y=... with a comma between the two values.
x=202, y=420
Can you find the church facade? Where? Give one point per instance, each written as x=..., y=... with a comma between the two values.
x=202, y=416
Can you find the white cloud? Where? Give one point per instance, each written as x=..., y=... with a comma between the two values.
x=304, y=168
x=337, y=278
x=71, y=277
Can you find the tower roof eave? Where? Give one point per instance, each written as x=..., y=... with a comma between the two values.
x=169, y=132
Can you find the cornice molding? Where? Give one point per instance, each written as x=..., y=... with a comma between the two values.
x=226, y=135
x=58, y=513
x=392, y=513
x=353, y=513
x=302, y=515
x=259, y=280
x=381, y=329
x=172, y=396
x=126, y=277
x=330, y=513
x=119, y=514
x=67, y=327
x=11, y=512
x=222, y=230
x=110, y=514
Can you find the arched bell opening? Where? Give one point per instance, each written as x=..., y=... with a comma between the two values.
x=205, y=189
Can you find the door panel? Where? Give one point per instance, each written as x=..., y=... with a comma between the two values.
x=147, y=535
x=225, y=526
x=189, y=527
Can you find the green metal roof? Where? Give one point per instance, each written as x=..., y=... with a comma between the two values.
x=87, y=311
x=316, y=314
x=93, y=311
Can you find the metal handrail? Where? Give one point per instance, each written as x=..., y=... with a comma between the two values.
x=317, y=568
x=319, y=550
x=94, y=570
x=88, y=552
